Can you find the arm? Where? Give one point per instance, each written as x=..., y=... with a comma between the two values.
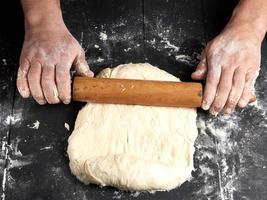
x=48, y=53
x=230, y=62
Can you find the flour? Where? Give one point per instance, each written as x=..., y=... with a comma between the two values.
x=103, y=36
x=224, y=143
x=166, y=40
x=134, y=194
x=46, y=148
x=4, y=143
x=4, y=61
x=3, y=196
x=67, y=126
x=126, y=50
x=184, y=58
x=100, y=59
x=257, y=105
x=35, y=125
x=12, y=119
x=168, y=45
x=117, y=194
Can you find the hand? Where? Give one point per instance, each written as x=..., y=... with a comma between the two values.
x=47, y=56
x=230, y=63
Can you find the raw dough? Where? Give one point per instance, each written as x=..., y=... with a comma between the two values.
x=131, y=147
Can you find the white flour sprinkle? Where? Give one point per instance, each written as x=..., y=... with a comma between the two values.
x=117, y=195
x=46, y=148
x=183, y=58
x=126, y=50
x=4, y=143
x=168, y=45
x=4, y=61
x=134, y=194
x=96, y=46
x=12, y=119
x=35, y=125
x=100, y=59
x=67, y=126
x=103, y=36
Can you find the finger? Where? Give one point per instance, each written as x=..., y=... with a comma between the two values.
x=63, y=82
x=223, y=90
x=81, y=66
x=212, y=81
x=34, y=78
x=22, y=81
x=236, y=90
x=49, y=84
x=201, y=70
x=247, y=93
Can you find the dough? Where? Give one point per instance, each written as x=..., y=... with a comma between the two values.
x=132, y=147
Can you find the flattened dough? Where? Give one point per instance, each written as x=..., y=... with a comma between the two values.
x=132, y=147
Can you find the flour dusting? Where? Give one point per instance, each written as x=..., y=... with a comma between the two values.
x=67, y=126
x=4, y=61
x=35, y=125
x=117, y=194
x=100, y=59
x=12, y=119
x=103, y=36
x=225, y=147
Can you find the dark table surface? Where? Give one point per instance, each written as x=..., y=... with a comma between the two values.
x=231, y=151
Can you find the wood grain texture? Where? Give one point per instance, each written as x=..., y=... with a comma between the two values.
x=137, y=92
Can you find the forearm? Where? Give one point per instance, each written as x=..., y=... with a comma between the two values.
x=250, y=15
x=38, y=13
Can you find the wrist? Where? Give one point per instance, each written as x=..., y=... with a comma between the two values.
x=34, y=20
x=254, y=23
x=255, y=30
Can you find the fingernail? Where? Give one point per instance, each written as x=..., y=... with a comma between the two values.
x=228, y=110
x=242, y=103
x=213, y=112
x=205, y=105
x=56, y=101
x=90, y=73
x=200, y=71
x=24, y=93
x=67, y=101
x=41, y=102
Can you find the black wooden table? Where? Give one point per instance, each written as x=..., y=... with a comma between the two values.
x=231, y=151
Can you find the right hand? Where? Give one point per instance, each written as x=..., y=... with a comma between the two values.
x=48, y=53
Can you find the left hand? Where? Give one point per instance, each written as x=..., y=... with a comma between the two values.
x=230, y=63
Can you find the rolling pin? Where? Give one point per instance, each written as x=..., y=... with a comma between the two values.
x=137, y=92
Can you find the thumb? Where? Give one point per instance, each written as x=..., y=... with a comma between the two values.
x=201, y=70
x=81, y=66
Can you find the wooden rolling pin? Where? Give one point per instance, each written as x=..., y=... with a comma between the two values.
x=139, y=92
